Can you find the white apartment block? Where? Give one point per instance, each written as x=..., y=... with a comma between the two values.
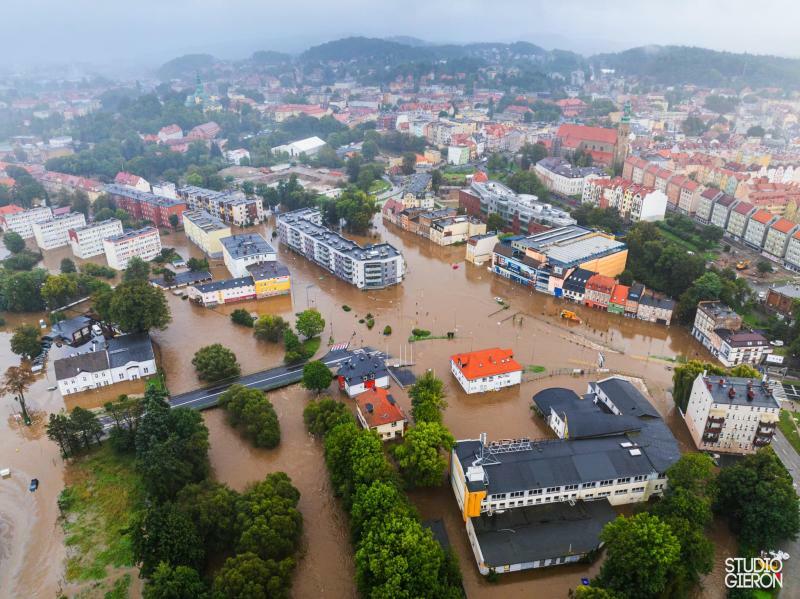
x=87, y=241
x=559, y=176
x=143, y=243
x=205, y=231
x=486, y=370
x=240, y=251
x=51, y=234
x=731, y=415
x=22, y=222
x=372, y=266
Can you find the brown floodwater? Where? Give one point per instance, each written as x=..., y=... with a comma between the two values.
x=434, y=296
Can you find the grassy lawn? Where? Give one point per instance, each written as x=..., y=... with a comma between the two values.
x=707, y=254
x=102, y=494
x=311, y=346
x=788, y=426
x=536, y=369
x=379, y=186
x=454, y=178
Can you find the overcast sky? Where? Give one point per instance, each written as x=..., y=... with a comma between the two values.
x=152, y=31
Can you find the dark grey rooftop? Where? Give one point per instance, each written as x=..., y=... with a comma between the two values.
x=71, y=366
x=363, y=367
x=246, y=244
x=141, y=196
x=746, y=392
x=418, y=183
x=267, y=270
x=188, y=277
x=541, y=532
x=742, y=338
x=576, y=282
x=134, y=347
x=585, y=419
x=224, y=284
x=67, y=328
x=657, y=301
x=627, y=398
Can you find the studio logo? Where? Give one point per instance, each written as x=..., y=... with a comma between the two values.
x=754, y=572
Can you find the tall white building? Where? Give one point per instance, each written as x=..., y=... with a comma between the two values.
x=22, y=222
x=368, y=267
x=51, y=234
x=560, y=176
x=143, y=243
x=731, y=415
x=240, y=251
x=87, y=241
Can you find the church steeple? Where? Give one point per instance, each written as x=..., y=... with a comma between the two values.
x=623, y=136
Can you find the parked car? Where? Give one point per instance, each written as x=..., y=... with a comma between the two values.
x=34, y=485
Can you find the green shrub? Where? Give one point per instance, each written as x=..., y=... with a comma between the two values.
x=346, y=308
x=420, y=333
x=387, y=330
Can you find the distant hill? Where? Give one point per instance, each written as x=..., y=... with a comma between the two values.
x=270, y=57
x=674, y=65
x=359, y=48
x=408, y=40
x=185, y=65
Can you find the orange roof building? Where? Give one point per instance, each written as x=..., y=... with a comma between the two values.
x=486, y=370
x=378, y=411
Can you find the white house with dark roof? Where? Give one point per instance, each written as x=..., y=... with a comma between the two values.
x=124, y=358
x=361, y=372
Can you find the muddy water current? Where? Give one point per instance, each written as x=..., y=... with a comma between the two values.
x=442, y=293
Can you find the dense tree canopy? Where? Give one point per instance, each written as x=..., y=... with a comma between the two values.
x=250, y=410
x=215, y=362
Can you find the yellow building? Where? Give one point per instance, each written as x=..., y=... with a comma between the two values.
x=270, y=278
x=205, y=231
x=573, y=246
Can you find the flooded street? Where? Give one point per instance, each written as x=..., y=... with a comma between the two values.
x=435, y=296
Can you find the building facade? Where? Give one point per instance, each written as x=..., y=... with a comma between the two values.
x=22, y=222
x=731, y=415
x=373, y=266
x=87, y=241
x=143, y=243
x=205, y=231
x=51, y=234
x=486, y=370
x=228, y=206
x=240, y=251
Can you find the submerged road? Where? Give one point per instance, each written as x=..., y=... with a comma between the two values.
x=265, y=380
x=273, y=378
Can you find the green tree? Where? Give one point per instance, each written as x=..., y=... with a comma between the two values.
x=420, y=455
x=58, y=290
x=316, y=376
x=495, y=222
x=67, y=266
x=528, y=182
x=324, y=414
x=400, y=558
x=270, y=327
x=247, y=576
x=16, y=381
x=251, y=411
x=756, y=131
x=409, y=163
x=310, y=323
x=641, y=555
x=137, y=270
x=372, y=503
x=683, y=378
x=595, y=592
x=26, y=342
x=357, y=208
x=531, y=154
x=757, y=498
x=215, y=362
x=427, y=398
x=212, y=507
x=763, y=266
x=369, y=150
x=14, y=242
x=162, y=533
x=136, y=306
x=22, y=290
x=242, y=317
x=87, y=426
x=171, y=447
x=174, y=221
x=197, y=264
x=292, y=347
x=179, y=582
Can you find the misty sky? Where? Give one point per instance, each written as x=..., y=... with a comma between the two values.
x=147, y=32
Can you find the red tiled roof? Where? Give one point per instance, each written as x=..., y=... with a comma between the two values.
x=743, y=207
x=480, y=177
x=783, y=225
x=762, y=216
x=10, y=209
x=384, y=408
x=572, y=135
x=600, y=283
x=486, y=362
x=620, y=294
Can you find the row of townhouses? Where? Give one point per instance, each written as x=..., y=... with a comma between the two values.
x=228, y=206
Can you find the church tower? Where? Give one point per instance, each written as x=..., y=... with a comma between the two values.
x=623, y=136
